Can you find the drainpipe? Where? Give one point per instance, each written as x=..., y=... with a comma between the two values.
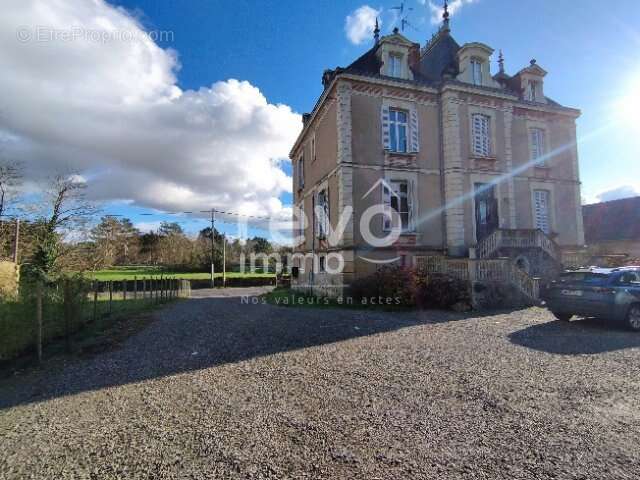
x=443, y=197
x=313, y=242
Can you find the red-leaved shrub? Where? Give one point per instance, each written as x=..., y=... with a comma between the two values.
x=410, y=287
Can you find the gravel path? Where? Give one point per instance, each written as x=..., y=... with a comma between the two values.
x=216, y=388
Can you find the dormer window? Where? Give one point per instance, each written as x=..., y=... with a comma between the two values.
x=395, y=65
x=476, y=71
x=532, y=91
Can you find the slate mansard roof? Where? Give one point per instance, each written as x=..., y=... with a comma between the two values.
x=437, y=59
x=436, y=63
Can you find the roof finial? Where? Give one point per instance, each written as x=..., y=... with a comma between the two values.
x=501, y=61
x=376, y=32
x=445, y=16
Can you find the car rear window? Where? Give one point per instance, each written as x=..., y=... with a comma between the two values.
x=587, y=278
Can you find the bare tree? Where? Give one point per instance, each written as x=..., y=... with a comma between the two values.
x=65, y=212
x=10, y=180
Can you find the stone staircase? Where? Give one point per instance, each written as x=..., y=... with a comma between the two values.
x=503, y=238
x=543, y=257
x=494, y=260
x=485, y=270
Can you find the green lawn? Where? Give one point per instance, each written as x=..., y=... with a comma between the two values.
x=128, y=273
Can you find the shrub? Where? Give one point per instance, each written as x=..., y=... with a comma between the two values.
x=440, y=291
x=410, y=287
x=388, y=282
x=497, y=295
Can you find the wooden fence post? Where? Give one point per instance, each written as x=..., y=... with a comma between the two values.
x=67, y=312
x=95, y=301
x=135, y=288
x=39, y=321
x=110, y=296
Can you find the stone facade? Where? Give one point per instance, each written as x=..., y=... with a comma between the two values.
x=439, y=164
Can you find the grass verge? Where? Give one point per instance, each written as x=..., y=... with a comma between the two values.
x=85, y=331
x=119, y=274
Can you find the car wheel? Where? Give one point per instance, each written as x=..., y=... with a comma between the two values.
x=564, y=317
x=633, y=318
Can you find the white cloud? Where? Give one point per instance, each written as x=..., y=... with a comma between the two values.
x=146, y=227
x=360, y=23
x=110, y=110
x=454, y=7
x=623, y=191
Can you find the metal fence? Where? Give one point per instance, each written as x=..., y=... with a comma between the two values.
x=47, y=313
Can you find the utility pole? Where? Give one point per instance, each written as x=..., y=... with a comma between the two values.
x=213, y=268
x=224, y=260
x=16, y=242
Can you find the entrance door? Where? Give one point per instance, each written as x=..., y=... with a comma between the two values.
x=541, y=209
x=486, y=210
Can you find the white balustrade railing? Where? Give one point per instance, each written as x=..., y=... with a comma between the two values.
x=516, y=238
x=496, y=270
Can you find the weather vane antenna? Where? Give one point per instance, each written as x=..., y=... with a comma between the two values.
x=404, y=18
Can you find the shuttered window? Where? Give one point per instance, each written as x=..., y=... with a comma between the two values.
x=301, y=172
x=413, y=128
x=481, y=125
x=322, y=213
x=538, y=146
x=400, y=129
x=541, y=199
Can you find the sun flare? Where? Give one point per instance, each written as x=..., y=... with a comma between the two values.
x=627, y=107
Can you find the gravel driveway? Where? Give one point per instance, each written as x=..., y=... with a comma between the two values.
x=216, y=388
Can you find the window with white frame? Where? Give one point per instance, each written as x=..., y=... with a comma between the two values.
x=301, y=172
x=538, y=146
x=532, y=91
x=476, y=71
x=481, y=126
x=398, y=128
x=321, y=213
x=542, y=209
x=322, y=264
x=395, y=65
x=398, y=200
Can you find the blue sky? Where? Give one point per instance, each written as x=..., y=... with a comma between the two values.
x=589, y=47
